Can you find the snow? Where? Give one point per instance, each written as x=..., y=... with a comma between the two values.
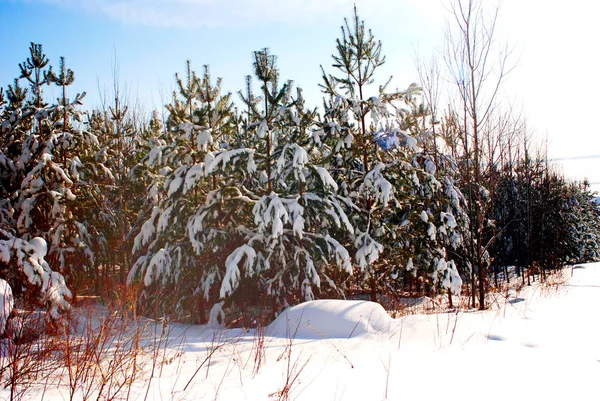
x=217, y=315
x=232, y=272
x=430, y=167
x=342, y=257
x=343, y=216
x=448, y=220
x=212, y=161
x=193, y=175
x=28, y=257
x=368, y=250
x=326, y=178
x=40, y=247
x=410, y=267
x=411, y=143
x=354, y=351
x=4, y=251
x=159, y=266
x=263, y=128
x=204, y=139
x=175, y=184
x=452, y=281
x=147, y=232
x=270, y=210
x=386, y=139
x=535, y=343
x=296, y=212
x=330, y=318
x=6, y=303
x=154, y=157
x=431, y=232
x=376, y=183
x=251, y=165
x=446, y=273
x=163, y=220
x=300, y=156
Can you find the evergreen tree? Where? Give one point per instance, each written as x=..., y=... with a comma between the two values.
x=124, y=142
x=167, y=260
x=296, y=212
x=395, y=198
x=547, y=222
x=257, y=228
x=33, y=71
x=36, y=197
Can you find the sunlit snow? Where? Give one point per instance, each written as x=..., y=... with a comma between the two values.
x=537, y=342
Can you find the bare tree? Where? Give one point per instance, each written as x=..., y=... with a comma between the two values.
x=430, y=78
x=477, y=68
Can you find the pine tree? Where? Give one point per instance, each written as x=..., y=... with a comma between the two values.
x=256, y=232
x=373, y=150
x=33, y=71
x=35, y=195
x=167, y=260
x=57, y=180
x=123, y=143
x=296, y=212
x=585, y=224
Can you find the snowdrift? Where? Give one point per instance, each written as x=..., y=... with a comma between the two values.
x=329, y=318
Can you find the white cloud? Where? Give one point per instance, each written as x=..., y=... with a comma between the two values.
x=211, y=13
x=224, y=13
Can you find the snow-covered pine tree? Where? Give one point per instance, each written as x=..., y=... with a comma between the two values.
x=290, y=245
x=368, y=142
x=33, y=71
x=58, y=184
x=123, y=144
x=588, y=224
x=29, y=196
x=254, y=231
x=23, y=266
x=146, y=168
x=6, y=172
x=200, y=121
x=438, y=209
x=546, y=221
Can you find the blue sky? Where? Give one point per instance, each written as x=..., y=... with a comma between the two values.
x=151, y=40
x=556, y=81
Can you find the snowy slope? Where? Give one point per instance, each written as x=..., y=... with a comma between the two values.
x=540, y=344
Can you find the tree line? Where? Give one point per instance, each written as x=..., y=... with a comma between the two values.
x=253, y=206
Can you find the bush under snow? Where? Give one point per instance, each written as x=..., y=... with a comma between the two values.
x=329, y=318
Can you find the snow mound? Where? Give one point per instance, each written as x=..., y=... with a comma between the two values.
x=331, y=318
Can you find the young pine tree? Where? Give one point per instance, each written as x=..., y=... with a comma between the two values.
x=41, y=188
x=254, y=230
x=397, y=200
x=168, y=262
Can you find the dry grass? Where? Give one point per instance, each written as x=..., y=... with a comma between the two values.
x=93, y=353
x=509, y=291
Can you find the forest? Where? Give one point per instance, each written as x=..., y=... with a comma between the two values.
x=235, y=206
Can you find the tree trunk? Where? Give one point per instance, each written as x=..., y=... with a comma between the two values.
x=373, y=289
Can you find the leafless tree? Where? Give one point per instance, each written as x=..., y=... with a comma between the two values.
x=477, y=67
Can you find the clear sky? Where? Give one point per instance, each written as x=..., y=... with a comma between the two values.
x=556, y=81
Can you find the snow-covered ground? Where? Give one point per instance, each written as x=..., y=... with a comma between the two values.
x=542, y=343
